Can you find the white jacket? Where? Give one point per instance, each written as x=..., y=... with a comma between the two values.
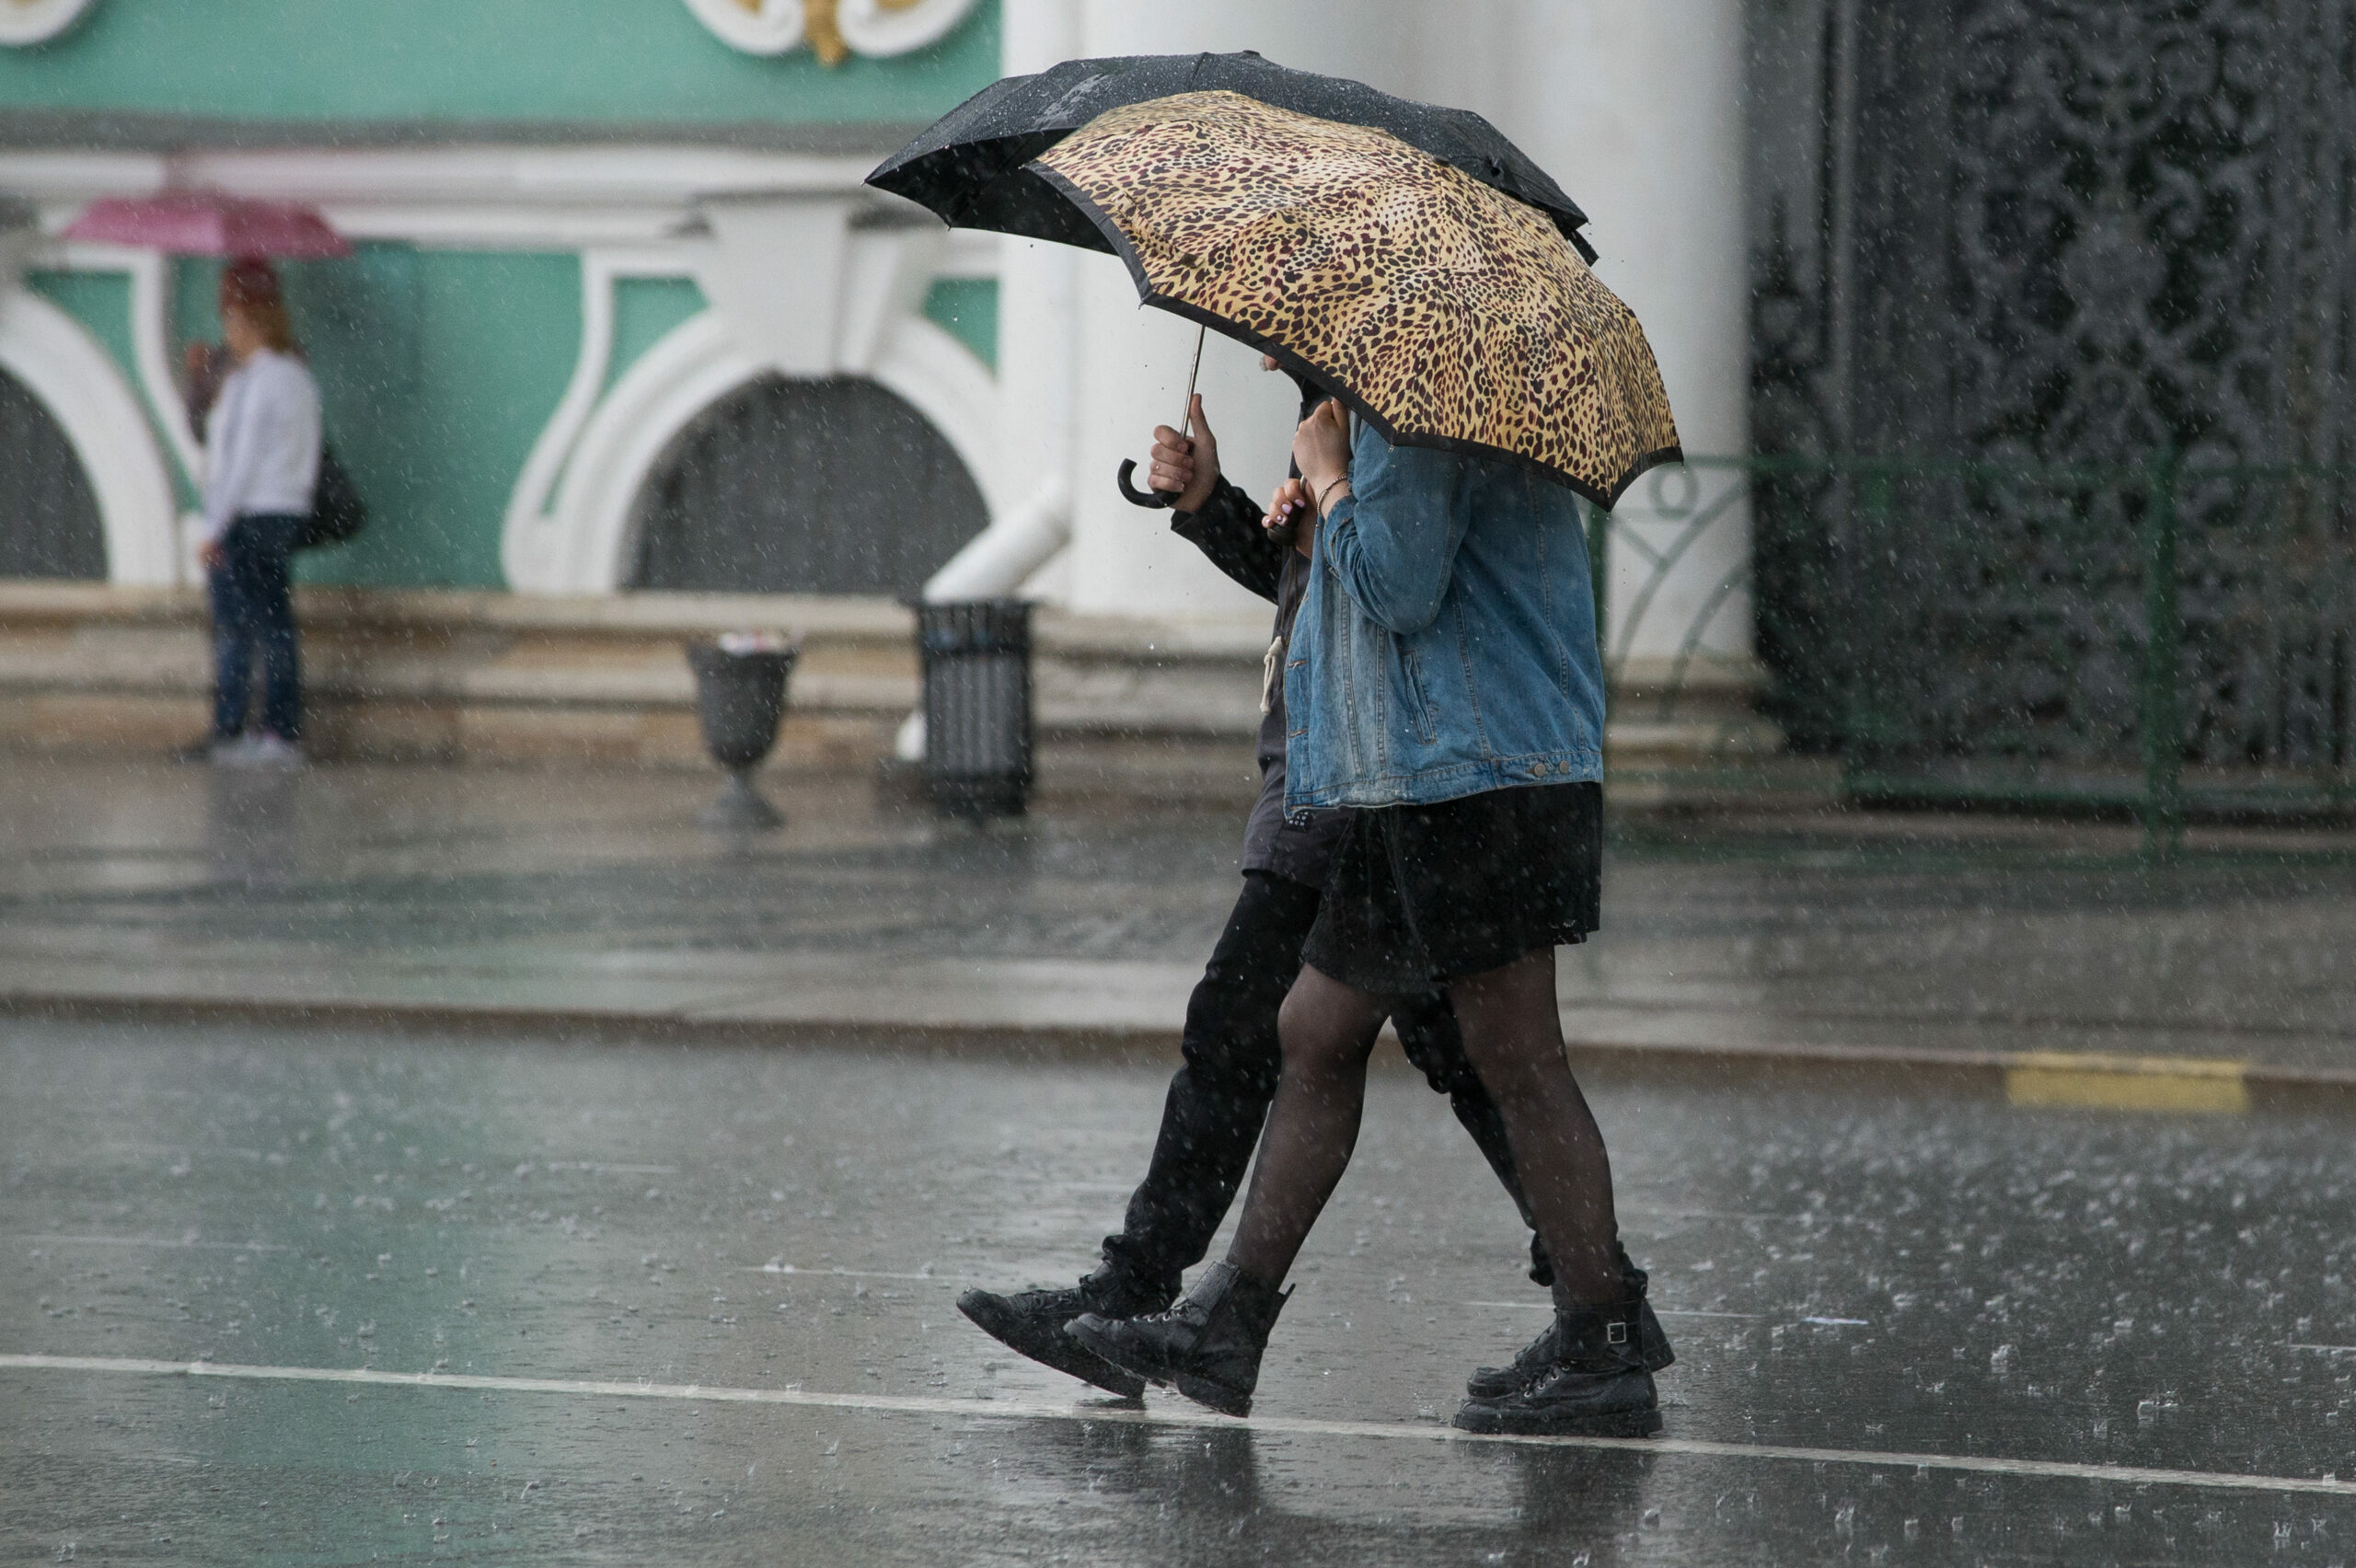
x=262, y=442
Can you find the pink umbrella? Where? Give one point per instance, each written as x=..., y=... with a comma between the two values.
x=210, y=223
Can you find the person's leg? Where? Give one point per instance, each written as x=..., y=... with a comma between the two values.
x=1211, y=1119
x=1596, y=1380
x=1428, y=1034
x=1432, y=1042
x=1513, y=1035
x=232, y=641
x=1328, y=1031
x=1208, y=1346
x=1218, y=1100
x=273, y=619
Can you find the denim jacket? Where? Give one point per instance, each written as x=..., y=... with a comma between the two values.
x=1447, y=645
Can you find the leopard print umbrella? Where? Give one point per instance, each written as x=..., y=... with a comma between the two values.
x=1444, y=314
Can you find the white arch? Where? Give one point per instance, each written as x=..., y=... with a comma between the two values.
x=885, y=28
x=765, y=27
x=38, y=21
x=869, y=27
x=586, y=543
x=75, y=378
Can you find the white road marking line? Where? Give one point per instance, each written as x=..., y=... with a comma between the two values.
x=147, y=1242
x=1658, y=1312
x=851, y=1274
x=1664, y=1211
x=600, y=1166
x=1165, y=1415
x=2326, y=1349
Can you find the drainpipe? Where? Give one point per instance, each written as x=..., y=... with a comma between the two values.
x=19, y=233
x=995, y=563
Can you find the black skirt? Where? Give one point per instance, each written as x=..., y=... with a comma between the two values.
x=1421, y=895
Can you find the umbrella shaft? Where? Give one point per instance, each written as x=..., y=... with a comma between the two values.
x=1186, y=411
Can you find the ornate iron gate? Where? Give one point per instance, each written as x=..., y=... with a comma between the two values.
x=2055, y=264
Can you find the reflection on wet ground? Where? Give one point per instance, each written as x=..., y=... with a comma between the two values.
x=1843, y=1268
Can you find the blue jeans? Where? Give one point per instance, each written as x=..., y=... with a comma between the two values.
x=253, y=613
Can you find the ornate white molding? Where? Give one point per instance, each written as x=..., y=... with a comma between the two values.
x=796, y=287
x=474, y=197
x=532, y=544
x=79, y=383
x=36, y=21
x=807, y=275
x=149, y=273
x=883, y=28
x=151, y=342
x=833, y=28
x=755, y=27
x=589, y=538
x=571, y=526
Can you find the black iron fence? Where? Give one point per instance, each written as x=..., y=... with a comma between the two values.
x=2168, y=636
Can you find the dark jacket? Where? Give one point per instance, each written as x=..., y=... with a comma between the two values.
x=1227, y=530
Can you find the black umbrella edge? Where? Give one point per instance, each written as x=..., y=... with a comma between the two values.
x=905, y=173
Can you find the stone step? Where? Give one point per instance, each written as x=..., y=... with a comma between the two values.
x=1125, y=706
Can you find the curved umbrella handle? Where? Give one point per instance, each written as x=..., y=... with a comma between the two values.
x=1151, y=500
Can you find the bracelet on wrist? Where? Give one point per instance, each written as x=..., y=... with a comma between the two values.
x=1325, y=494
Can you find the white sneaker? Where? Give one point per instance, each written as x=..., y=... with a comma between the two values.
x=237, y=751
x=267, y=750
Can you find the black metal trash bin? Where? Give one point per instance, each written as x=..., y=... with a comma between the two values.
x=976, y=705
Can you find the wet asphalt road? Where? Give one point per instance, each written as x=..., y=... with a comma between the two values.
x=1843, y=1266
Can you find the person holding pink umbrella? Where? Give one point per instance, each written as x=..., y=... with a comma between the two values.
x=253, y=404
x=262, y=443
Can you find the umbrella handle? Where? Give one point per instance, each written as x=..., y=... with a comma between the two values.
x=1151, y=500
x=1161, y=500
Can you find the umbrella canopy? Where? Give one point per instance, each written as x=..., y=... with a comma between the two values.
x=1441, y=312
x=971, y=165
x=210, y=223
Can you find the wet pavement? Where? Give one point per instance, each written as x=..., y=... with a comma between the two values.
x=549, y=895
x=693, y=1304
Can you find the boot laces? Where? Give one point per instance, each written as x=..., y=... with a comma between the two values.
x=1184, y=1312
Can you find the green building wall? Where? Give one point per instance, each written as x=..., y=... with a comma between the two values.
x=967, y=309
x=439, y=368
x=601, y=63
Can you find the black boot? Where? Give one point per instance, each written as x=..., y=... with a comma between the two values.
x=1207, y=1346
x=1597, y=1386
x=1033, y=1322
x=1652, y=1345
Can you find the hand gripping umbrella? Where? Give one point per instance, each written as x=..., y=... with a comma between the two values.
x=974, y=166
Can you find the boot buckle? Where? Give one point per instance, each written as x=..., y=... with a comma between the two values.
x=1616, y=1333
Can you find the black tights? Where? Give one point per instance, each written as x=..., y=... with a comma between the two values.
x=1513, y=1034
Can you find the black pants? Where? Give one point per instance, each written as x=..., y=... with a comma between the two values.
x=253, y=614
x=1220, y=1098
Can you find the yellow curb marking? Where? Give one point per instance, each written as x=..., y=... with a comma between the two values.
x=2127, y=1083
